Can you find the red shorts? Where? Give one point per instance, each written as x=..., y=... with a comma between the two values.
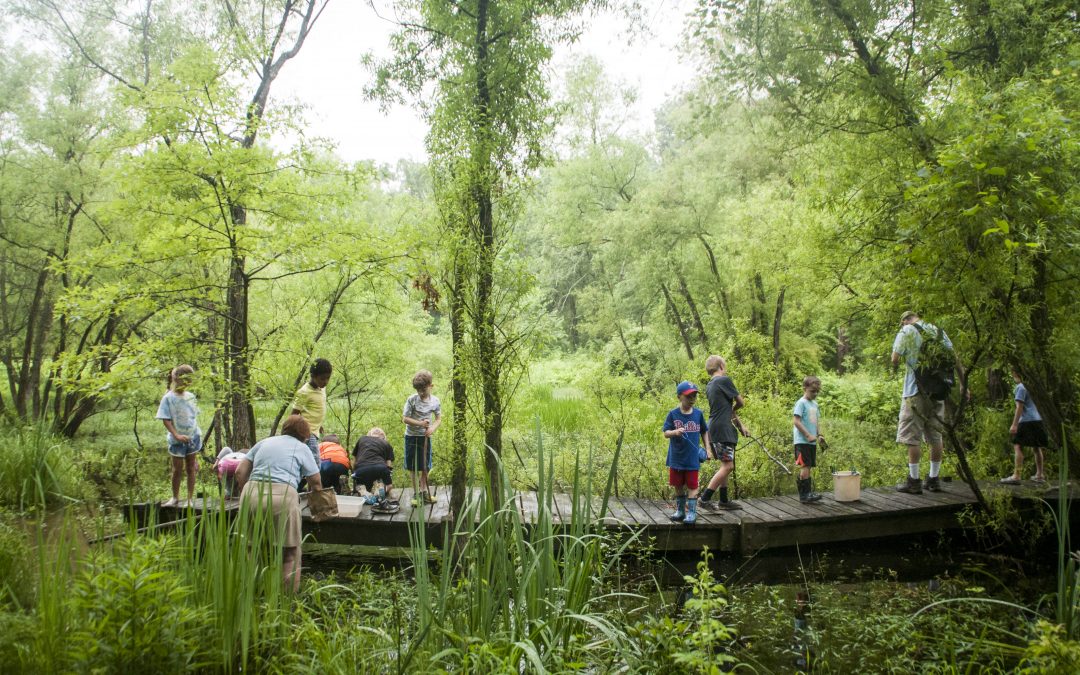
x=680, y=477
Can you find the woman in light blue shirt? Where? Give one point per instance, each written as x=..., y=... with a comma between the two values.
x=267, y=478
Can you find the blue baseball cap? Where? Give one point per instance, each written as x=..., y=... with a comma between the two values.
x=686, y=387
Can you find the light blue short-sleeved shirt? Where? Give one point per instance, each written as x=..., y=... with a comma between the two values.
x=183, y=410
x=807, y=412
x=281, y=459
x=1030, y=413
x=907, y=344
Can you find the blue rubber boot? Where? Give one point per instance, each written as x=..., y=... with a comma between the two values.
x=680, y=510
x=691, y=511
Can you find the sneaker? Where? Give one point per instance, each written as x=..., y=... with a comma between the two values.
x=428, y=499
x=1009, y=480
x=731, y=506
x=171, y=503
x=932, y=484
x=1038, y=479
x=385, y=507
x=912, y=487
x=708, y=506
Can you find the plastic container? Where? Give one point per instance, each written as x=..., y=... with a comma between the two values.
x=846, y=486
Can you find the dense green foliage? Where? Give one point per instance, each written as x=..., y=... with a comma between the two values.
x=835, y=163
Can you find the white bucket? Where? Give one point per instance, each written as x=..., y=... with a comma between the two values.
x=846, y=485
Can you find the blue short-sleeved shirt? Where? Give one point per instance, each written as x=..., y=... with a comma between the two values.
x=907, y=344
x=281, y=459
x=807, y=412
x=683, y=452
x=183, y=410
x=1031, y=413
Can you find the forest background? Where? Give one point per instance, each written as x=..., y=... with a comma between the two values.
x=834, y=164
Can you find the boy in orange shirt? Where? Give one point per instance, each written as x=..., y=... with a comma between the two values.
x=334, y=462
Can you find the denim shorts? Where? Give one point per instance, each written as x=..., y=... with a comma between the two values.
x=177, y=449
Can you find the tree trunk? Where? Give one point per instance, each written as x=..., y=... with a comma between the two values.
x=238, y=406
x=460, y=451
x=484, y=313
x=776, y=326
x=843, y=348
x=698, y=325
x=721, y=292
x=678, y=321
x=758, y=319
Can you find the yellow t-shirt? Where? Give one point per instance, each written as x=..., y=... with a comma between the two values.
x=311, y=403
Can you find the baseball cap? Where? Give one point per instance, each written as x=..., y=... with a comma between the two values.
x=685, y=387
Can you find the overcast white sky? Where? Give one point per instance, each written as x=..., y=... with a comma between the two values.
x=327, y=76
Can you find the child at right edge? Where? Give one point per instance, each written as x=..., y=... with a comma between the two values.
x=806, y=433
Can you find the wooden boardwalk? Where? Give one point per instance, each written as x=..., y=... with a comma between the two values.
x=764, y=523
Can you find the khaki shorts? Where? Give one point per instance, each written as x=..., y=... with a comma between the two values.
x=284, y=505
x=921, y=419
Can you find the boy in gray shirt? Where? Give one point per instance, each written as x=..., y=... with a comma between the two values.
x=422, y=415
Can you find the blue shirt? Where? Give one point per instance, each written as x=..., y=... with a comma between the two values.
x=281, y=459
x=807, y=412
x=1031, y=413
x=183, y=410
x=907, y=344
x=682, y=451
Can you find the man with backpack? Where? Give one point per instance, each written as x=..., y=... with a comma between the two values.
x=929, y=359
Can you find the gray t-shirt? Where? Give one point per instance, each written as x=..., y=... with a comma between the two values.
x=281, y=459
x=721, y=393
x=907, y=344
x=419, y=409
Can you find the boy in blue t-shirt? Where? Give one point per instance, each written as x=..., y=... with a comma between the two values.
x=684, y=428
x=806, y=432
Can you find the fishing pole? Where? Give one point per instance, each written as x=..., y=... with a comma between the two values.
x=754, y=439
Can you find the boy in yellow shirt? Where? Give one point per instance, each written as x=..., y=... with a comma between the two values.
x=310, y=402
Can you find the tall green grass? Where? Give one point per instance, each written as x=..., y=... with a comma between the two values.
x=36, y=468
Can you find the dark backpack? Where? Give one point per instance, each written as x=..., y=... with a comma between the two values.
x=935, y=363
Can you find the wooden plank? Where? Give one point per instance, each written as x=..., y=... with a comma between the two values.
x=564, y=507
x=751, y=511
x=530, y=510
x=619, y=515
x=638, y=511
x=763, y=506
x=795, y=510
x=822, y=509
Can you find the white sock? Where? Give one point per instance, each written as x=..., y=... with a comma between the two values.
x=935, y=469
x=913, y=470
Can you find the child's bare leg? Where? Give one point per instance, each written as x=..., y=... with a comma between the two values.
x=719, y=479
x=1039, y=463
x=177, y=475
x=692, y=494
x=804, y=473
x=190, y=465
x=423, y=481
x=1018, y=461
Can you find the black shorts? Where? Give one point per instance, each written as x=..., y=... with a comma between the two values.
x=418, y=453
x=367, y=474
x=806, y=455
x=1031, y=435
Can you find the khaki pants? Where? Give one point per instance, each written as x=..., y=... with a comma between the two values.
x=921, y=420
x=284, y=505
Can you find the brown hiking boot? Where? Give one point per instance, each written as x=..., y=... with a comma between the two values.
x=911, y=487
x=932, y=484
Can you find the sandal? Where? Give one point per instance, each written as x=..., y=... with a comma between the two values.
x=1009, y=480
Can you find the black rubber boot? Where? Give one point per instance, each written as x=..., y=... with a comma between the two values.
x=806, y=496
x=811, y=495
x=911, y=487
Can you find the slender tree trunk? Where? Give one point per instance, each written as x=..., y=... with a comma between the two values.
x=484, y=314
x=684, y=289
x=843, y=348
x=776, y=326
x=758, y=319
x=460, y=451
x=721, y=290
x=236, y=351
x=678, y=321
